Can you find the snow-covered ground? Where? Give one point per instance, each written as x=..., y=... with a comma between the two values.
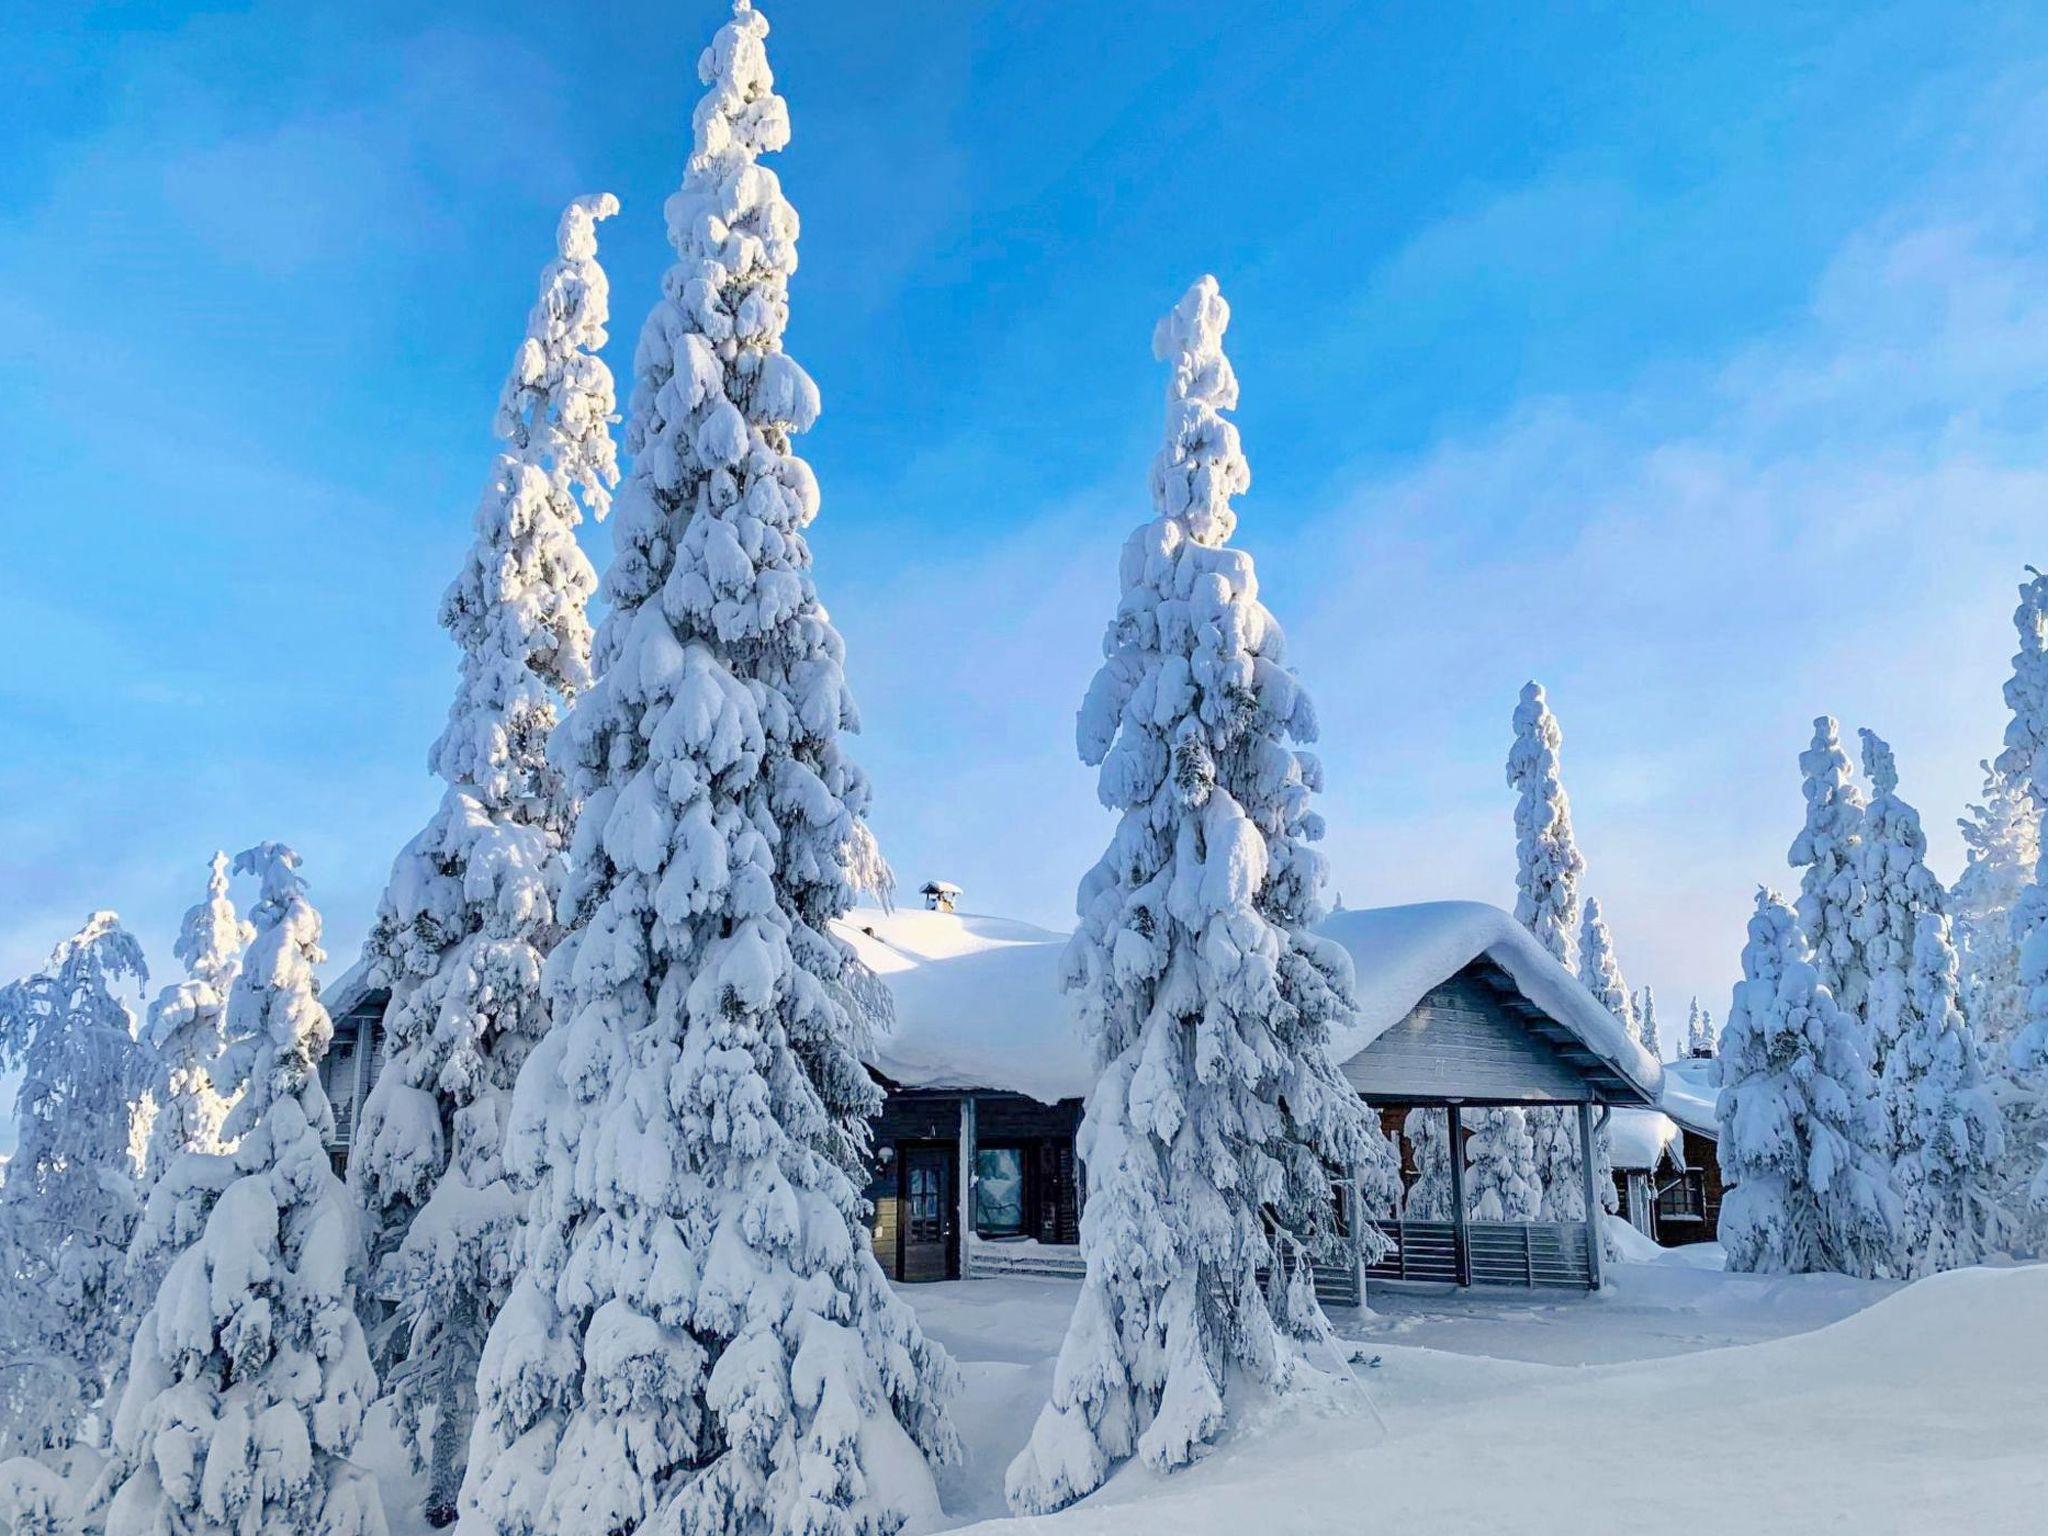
x=1681, y=1398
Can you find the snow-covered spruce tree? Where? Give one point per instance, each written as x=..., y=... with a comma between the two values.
x=700, y=1340
x=1945, y=1131
x=1547, y=870
x=469, y=914
x=1897, y=887
x=1646, y=1022
x=248, y=1377
x=1429, y=1136
x=1801, y=1139
x=2025, y=761
x=1211, y=1133
x=1500, y=1167
x=1825, y=851
x=1547, y=860
x=186, y=1028
x=1600, y=969
x=1702, y=1040
x=68, y=1200
x=2001, y=846
x=1554, y=1141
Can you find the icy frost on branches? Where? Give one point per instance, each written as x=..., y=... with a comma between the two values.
x=1800, y=1128
x=1946, y=1137
x=701, y=1340
x=1210, y=1132
x=1547, y=860
x=468, y=916
x=1830, y=888
x=248, y=1378
x=68, y=1200
x=1897, y=888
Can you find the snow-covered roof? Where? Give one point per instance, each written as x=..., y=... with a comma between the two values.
x=978, y=1002
x=1400, y=953
x=1642, y=1138
x=346, y=990
x=1690, y=1089
x=941, y=888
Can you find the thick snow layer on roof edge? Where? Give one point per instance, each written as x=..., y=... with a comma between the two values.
x=1399, y=953
x=1692, y=1088
x=1643, y=1138
x=978, y=1001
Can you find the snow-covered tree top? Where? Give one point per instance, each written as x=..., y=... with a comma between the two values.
x=1833, y=801
x=517, y=608
x=1199, y=466
x=557, y=405
x=1879, y=765
x=2025, y=757
x=280, y=1030
x=1548, y=862
x=210, y=942
x=82, y=973
x=1600, y=968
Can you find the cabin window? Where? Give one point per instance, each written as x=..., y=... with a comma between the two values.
x=999, y=1191
x=1683, y=1198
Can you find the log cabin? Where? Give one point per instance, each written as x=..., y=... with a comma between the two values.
x=974, y=1169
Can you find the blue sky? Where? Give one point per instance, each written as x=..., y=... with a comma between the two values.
x=1687, y=358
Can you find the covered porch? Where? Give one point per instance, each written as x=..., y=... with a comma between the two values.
x=1453, y=1247
x=1470, y=1014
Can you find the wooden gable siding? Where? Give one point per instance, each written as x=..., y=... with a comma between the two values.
x=1463, y=1042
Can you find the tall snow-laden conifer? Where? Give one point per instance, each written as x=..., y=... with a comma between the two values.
x=186, y=1028
x=248, y=1378
x=1547, y=870
x=1646, y=1021
x=1600, y=968
x=1501, y=1181
x=1897, y=888
x=1429, y=1136
x=1701, y=1038
x=68, y=1199
x=2025, y=761
x=700, y=1340
x=1801, y=1139
x=469, y=914
x=1547, y=860
x=1217, y=1117
x=1825, y=851
x=2001, y=846
x=1945, y=1132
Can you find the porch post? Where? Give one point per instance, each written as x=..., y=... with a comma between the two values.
x=1354, y=1215
x=366, y=1045
x=967, y=1128
x=1461, y=1238
x=1590, y=1172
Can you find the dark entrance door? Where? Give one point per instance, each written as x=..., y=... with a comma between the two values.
x=927, y=1232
